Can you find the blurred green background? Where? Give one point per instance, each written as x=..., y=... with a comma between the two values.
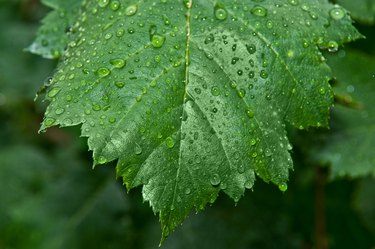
x=51, y=198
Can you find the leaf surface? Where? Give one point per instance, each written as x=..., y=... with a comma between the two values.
x=52, y=37
x=192, y=97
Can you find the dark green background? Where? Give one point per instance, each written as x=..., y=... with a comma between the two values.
x=51, y=198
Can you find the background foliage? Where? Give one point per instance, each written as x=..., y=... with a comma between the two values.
x=50, y=197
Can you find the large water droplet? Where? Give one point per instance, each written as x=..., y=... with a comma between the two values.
x=259, y=11
x=131, y=10
x=215, y=91
x=103, y=3
x=103, y=72
x=169, y=142
x=283, y=187
x=221, y=13
x=115, y=5
x=118, y=63
x=337, y=13
x=49, y=121
x=251, y=48
x=215, y=179
x=53, y=92
x=333, y=46
x=157, y=41
x=209, y=39
x=59, y=111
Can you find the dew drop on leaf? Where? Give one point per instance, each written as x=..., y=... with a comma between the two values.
x=209, y=39
x=250, y=113
x=251, y=48
x=120, y=84
x=137, y=149
x=131, y=10
x=215, y=179
x=169, y=142
x=49, y=121
x=215, y=91
x=241, y=93
x=259, y=11
x=59, y=111
x=221, y=13
x=118, y=63
x=293, y=2
x=103, y=3
x=53, y=92
x=115, y=5
x=337, y=13
x=283, y=187
x=333, y=46
x=263, y=74
x=241, y=168
x=103, y=72
x=157, y=41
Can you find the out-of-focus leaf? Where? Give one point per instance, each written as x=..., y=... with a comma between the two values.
x=349, y=145
x=365, y=202
x=361, y=10
x=52, y=202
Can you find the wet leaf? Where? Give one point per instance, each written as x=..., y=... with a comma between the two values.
x=192, y=97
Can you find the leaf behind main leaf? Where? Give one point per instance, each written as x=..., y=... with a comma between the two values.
x=192, y=98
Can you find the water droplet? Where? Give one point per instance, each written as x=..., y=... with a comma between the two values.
x=241, y=93
x=53, y=92
x=221, y=13
x=337, y=13
x=234, y=60
x=137, y=149
x=59, y=111
x=209, y=39
x=322, y=91
x=169, y=142
x=118, y=63
x=259, y=11
x=293, y=2
x=253, y=141
x=115, y=5
x=241, y=168
x=101, y=160
x=268, y=152
x=131, y=10
x=120, y=84
x=263, y=74
x=215, y=91
x=250, y=113
x=283, y=187
x=251, y=48
x=333, y=46
x=187, y=191
x=215, y=179
x=251, y=74
x=103, y=72
x=248, y=184
x=157, y=41
x=49, y=121
x=103, y=3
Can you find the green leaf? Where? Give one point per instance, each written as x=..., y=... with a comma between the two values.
x=362, y=10
x=193, y=98
x=52, y=37
x=348, y=145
